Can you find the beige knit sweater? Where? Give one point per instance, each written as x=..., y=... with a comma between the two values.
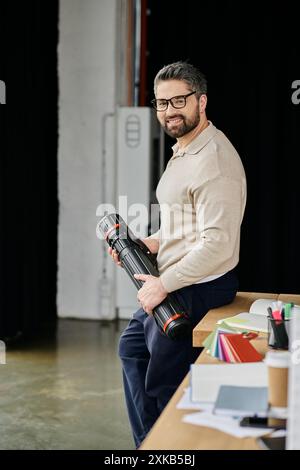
x=202, y=197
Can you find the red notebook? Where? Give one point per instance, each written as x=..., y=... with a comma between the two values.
x=241, y=348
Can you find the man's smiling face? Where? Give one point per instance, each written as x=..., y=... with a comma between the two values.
x=177, y=122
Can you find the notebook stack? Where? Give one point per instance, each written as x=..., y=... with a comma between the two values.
x=242, y=401
x=228, y=345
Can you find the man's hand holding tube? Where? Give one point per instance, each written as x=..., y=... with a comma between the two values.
x=152, y=293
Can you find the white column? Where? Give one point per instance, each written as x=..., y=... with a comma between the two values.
x=87, y=91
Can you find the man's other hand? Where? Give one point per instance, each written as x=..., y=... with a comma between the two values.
x=114, y=256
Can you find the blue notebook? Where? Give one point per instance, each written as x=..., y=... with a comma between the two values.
x=242, y=401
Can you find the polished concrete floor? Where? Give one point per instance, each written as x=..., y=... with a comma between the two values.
x=65, y=392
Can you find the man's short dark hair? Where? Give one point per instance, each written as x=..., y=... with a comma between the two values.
x=185, y=72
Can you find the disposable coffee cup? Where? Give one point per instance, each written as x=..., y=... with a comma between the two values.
x=278, y=367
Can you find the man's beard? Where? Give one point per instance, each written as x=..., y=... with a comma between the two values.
x=184, y=128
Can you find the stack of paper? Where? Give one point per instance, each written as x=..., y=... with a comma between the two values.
x=229, y=345
x=206, y=379
x=257, y=317
x=227, y=424
x=185, y=403
x=248, y=321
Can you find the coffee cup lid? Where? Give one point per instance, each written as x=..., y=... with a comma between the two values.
x=278, y=359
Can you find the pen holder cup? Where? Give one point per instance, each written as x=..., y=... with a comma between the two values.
x=278, y=333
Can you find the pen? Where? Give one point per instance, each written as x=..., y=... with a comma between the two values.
x=287, y=310
x=270, y=312
x=276, y=314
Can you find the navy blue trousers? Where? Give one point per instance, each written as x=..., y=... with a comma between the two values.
x=154, y=365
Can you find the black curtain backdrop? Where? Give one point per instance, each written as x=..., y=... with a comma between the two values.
x=249, y=52
x=28, y=171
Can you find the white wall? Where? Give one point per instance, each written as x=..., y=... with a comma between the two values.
x=87, y=90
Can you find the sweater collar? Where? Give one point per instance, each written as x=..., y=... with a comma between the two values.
x=197, y=144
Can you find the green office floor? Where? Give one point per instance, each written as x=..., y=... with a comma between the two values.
x=65, y=392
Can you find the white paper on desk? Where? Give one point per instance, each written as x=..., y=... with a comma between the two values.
x=257, y=317
x=205, y=379
x=248, y=321
x=225, y=424
x=185, y=403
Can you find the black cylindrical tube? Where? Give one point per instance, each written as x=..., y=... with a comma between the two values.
x=137, y=259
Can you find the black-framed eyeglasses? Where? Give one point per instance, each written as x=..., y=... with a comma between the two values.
x=177, y=102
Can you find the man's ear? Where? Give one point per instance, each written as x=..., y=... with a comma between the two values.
x=202, y=103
